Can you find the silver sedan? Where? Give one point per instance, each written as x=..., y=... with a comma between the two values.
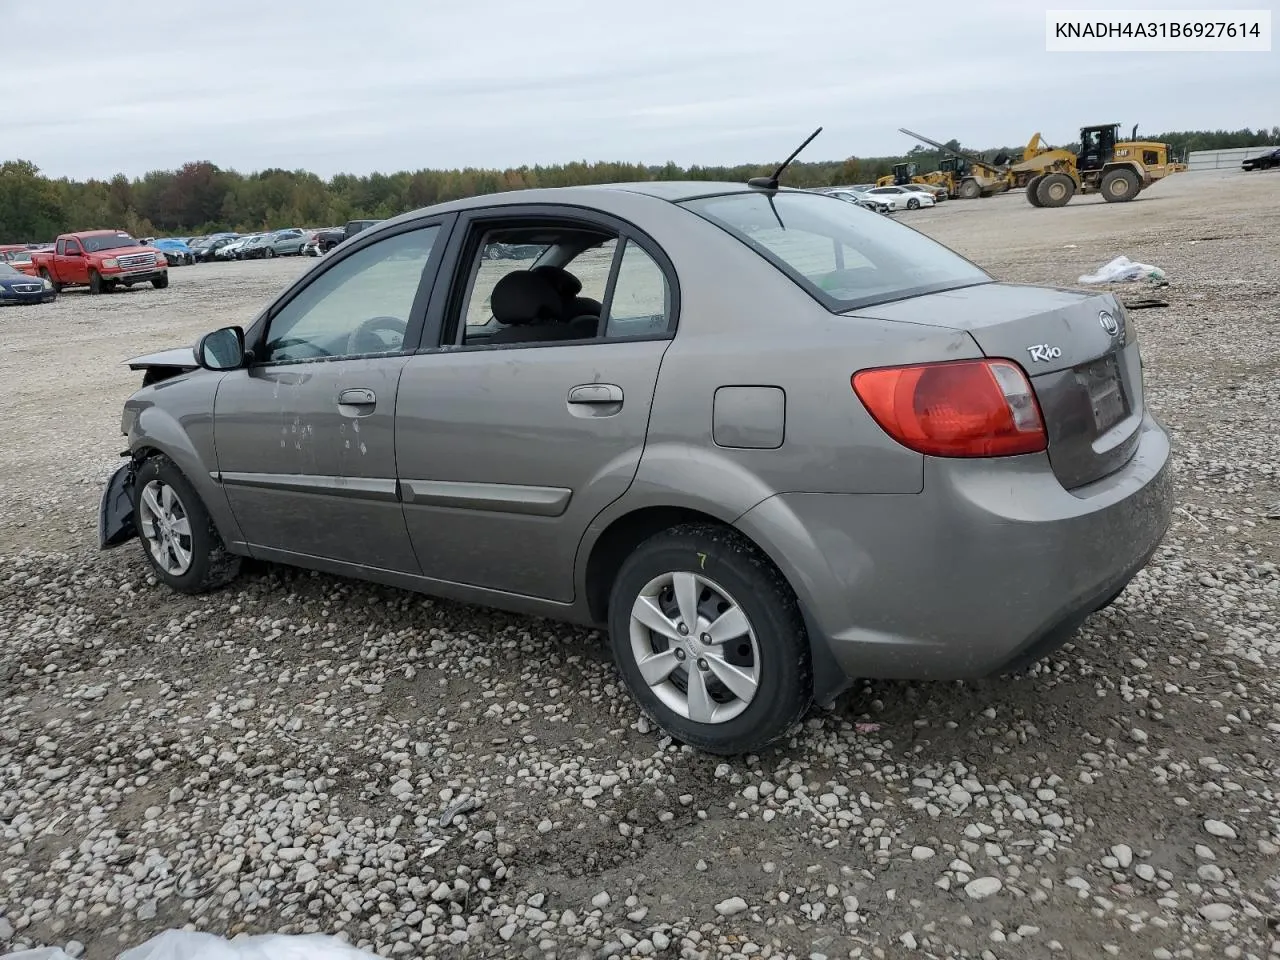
x=767, y=440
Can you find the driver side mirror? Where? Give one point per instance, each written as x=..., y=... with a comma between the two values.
x=222, y=349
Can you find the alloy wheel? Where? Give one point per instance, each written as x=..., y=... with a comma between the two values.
x=165, y=527
x=695, y=647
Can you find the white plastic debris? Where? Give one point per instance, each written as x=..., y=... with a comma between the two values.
x=40, y=953
x=186, y=945
x=1122, y=269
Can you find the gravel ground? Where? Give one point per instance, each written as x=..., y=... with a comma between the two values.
x=302, y=753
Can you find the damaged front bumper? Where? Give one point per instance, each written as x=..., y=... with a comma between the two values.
x=115, y=510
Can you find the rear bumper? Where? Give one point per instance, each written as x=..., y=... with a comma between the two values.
x=994, y=564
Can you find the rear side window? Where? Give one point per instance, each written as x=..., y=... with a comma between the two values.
x=843, y=255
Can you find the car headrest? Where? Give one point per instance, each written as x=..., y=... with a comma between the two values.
x=525, y=297
x=566, y=284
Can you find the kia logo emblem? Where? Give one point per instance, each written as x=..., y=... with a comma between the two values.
x=1108, y=323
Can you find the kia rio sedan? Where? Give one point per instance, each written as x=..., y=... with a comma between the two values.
x=768, y=440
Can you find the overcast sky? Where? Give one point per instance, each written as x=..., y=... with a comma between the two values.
x=337, y=86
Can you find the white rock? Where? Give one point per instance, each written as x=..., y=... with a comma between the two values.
x=1217, y=911
x=1216, y=828
x=1123, y=854
x=922, y=853
x=908, y=940
x=1145, y=871
x=600, y=900
x=982, y=887
x=731, y=907
x=306, y=872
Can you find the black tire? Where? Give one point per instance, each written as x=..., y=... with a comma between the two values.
x=970, y=190
x=913, y=204
x=1055, y=190
x=46, y=275
x=269, y=252
x=734, y=564
x=1032, y=186
x=1119, y=185
x=95, y=281
x=160, y=282
x=212, y=566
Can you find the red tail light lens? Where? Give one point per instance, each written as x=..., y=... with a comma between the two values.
x=959, y=408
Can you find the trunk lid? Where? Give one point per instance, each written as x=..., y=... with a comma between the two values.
x=1076, y=349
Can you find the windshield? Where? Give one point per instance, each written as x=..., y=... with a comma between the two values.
x=9, y=272
x=842, y=254
x=110, y=242
x=16, y=256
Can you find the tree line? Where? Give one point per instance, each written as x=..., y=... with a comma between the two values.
x=203, y=198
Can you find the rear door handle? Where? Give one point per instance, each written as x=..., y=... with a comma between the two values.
x=596, y=393
x=357, y=397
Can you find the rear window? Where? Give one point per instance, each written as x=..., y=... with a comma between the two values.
x=845, y=256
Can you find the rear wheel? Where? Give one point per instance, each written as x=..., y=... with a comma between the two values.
x=709, y=639
x=178, y=537
x=1033, y=185
x=1119, y=185
x=1055, y=190
x=970, y=190
x=95, y=281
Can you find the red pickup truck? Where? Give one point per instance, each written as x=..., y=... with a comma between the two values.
x=101, y=260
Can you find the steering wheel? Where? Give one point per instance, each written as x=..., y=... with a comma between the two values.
x=376, y=326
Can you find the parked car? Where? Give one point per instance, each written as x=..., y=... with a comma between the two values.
x=857, y=197
x=900, y=198
x=101, y=260
x=932, y=189
x=208, y=248
x=253, y=247
x=18, y=256
x=283, y=243
x=17, y=287
x=175, y=251
x=325, y=240
x=1263, y=161
x=788, y=444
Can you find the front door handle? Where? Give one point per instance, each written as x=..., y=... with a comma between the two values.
x=357, y=397
x=596, y=393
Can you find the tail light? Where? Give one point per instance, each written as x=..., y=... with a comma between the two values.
x=958, y=408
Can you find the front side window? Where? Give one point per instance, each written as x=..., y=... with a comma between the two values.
x=359, y=307
x=843, y=255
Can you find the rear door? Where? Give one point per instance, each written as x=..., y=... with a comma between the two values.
x=305, y=435
x=506, y=452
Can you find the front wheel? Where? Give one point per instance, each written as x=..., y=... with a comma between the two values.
x=95, y=282
x=178, y=537
x=709, y=639
x=913, y=204
x=1120, y=185
x=269, y=253
x=160, y=282
x=46, y=275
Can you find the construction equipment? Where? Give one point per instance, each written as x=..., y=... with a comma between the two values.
x=965, y=175
x=1118, y=169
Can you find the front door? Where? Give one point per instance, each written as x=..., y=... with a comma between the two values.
x=508, y=449
x=305, y=435
x=70, y=264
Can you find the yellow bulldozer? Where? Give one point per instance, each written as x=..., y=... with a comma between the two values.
x=1118, y=169
x=965, y=175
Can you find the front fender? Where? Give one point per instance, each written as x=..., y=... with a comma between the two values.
x=182, y=430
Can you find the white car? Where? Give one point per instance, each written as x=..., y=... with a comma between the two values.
x=938, y=193
x=900, y=198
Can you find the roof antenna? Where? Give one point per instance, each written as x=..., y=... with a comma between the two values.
x=771, y=182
